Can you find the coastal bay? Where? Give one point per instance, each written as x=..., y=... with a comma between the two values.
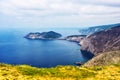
x=15, y=49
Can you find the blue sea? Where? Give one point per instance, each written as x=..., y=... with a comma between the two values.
x=15, y=49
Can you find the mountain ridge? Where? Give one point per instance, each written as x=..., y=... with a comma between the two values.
x=94, y=29
x=102, y=41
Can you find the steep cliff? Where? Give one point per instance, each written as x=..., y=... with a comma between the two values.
x=103, y=41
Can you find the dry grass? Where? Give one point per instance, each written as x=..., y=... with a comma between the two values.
x=25, y=72
x=106, y=58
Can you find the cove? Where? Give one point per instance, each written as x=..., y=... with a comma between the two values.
x=14, y=49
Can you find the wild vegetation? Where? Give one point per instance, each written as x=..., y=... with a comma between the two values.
x=25, y=72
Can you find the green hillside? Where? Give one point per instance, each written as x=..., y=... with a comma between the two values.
x=25, y=72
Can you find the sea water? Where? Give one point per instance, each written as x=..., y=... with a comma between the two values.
x=15, y=49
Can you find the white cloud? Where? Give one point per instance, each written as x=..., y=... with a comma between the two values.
x=98, y=10
x=49, y=7
x=60, y=10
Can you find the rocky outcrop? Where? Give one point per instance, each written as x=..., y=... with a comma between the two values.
x=75, y=38
x=43, y=35
x=103, y=41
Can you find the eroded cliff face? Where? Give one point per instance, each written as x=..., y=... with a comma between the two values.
x=103, y=41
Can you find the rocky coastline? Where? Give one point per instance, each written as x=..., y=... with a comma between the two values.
x=98, y=42
x=92, y=45
x=75, y=38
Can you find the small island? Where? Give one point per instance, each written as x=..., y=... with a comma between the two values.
x=43, y=35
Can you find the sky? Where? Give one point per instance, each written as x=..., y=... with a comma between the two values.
x=58, y=13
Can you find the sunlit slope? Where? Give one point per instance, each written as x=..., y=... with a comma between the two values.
x=24, y=72
x=106, y=58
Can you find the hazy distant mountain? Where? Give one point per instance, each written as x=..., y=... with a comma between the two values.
x=92, y=30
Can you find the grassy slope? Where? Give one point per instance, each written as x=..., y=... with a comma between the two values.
x=106, y=58
x=25, y=72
